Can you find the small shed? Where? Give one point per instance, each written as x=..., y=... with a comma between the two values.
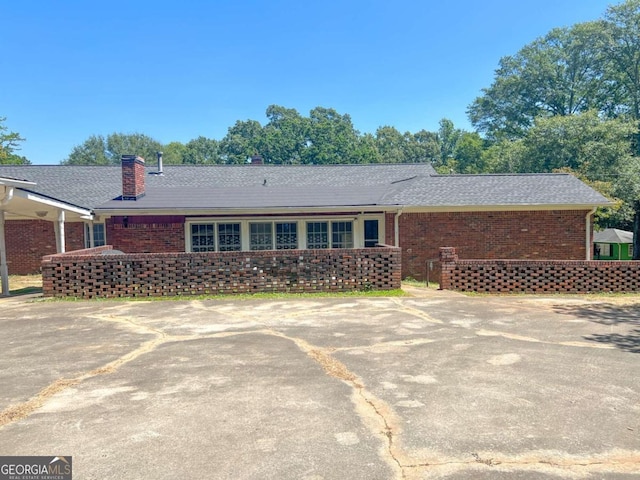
x=613, y=244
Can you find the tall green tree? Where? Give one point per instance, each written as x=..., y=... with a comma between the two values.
x=202, y=150
x=98, y=150
x=285, y=136
x=622, y=51
x=562, y=73
x=93, y=151
x=9, y=143
x=244, y=139
x=331, y=137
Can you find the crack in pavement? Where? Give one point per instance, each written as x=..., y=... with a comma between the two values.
x=572, y=466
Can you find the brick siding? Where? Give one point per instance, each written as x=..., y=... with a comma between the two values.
x=152, y=234
x=557, y=235
x=29, y=240
x=89, y=274
x=537, y=276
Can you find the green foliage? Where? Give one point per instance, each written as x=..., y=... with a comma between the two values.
x=9, y=143
x=98, y=150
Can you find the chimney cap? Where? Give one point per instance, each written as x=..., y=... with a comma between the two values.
x=256, y=159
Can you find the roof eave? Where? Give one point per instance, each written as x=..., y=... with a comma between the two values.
x=112, y=212
x=502, y=207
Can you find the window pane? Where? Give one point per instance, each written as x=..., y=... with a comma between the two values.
x=260, y=236
x=229, y=237
x=341, y=235
x=371, y=233
x=202, y=239
x=286, y=236
x=317, y=235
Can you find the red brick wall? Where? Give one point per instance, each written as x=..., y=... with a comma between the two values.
x=537, y=276
x=491, y=235
x=29, y=240
x=89, y=274
x=139, y=234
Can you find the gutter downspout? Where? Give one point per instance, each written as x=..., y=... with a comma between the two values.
x=588, y=233
x=396, y=227
x=4, y=269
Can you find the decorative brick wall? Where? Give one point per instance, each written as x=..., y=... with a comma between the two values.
x=526, y=235
x=29, y=240
x=537, y=276
x=89, y=274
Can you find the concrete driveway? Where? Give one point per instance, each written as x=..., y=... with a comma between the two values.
x=437, y=385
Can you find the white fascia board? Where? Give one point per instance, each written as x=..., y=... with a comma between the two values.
x=10, y=182
x=244, y=211
x=50, y=202
x=502, y=208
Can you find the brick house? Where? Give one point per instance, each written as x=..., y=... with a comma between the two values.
x=144, y=208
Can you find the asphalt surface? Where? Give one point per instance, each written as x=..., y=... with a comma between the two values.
x=437, y=385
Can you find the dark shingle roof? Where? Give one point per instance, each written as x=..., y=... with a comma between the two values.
x=494, y=190
x=92, y=186
x=243, y=186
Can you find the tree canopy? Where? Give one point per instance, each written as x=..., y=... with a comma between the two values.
x=10, y=143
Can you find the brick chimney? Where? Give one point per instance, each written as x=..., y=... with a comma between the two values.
x=132, y=177
x=256, y=159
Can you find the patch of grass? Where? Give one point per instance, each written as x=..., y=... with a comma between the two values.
x=412, y=282
x=242, y=296
x=24, y=284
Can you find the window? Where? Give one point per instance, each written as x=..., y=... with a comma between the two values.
x=211, y=237
x=229, y=237
x=317, y=235
x=202, y=238
x=341, y=234
x=286, y=236
x=261, y=237
x=99, y=238
x=371, y=235
x=602, y=250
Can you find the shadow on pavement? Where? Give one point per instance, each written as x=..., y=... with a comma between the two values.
x=612, y=315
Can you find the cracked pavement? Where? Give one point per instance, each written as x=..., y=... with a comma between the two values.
x=436, y=385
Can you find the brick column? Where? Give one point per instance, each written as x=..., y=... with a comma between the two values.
x=448, y=259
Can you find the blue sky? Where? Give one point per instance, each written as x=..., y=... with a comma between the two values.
x=178, y=70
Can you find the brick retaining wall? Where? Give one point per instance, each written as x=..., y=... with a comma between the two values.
x=537, y=276
x=90, y=274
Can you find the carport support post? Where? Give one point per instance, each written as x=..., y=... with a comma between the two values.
x=59, y=229
x=4, y=271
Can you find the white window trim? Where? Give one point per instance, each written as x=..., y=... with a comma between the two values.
x=245, y=231
x=89, y=242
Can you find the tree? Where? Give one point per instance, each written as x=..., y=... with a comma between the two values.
x=202, y=150
x=97, y=150
x=119, y=144
x=468, y=153
x=561, y=74
x=448, y=137
x=331, y=137
x=285, y=136
x=173, y=153
x=244, y=139
x=9, y=143
x=92, y=152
